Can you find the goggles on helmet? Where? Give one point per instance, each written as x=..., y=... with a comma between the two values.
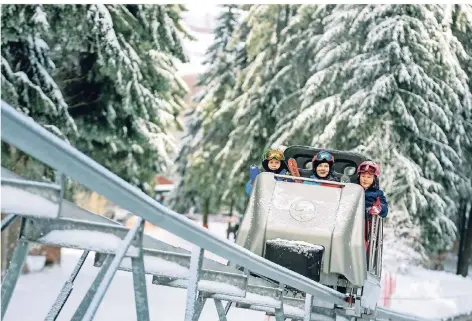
x=274, y=154
x=369, y=167
x=324, y=156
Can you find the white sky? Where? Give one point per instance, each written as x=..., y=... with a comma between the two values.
x=201, y=17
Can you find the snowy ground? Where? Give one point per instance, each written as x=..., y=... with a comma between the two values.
x=432, y=294
x=424, y=293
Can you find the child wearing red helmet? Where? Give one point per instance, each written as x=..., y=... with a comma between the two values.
x=375, y=201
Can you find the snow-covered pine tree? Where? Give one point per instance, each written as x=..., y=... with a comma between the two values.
x=297, y=63
x=27, y=83
x=258, y=92
x=459, y=19
x=196, y=159
x=117, y=72
x=386, y=71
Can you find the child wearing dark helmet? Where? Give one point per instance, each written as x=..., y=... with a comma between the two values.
x=272, y=161
x=322, y=168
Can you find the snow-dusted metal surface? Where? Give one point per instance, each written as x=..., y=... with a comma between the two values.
x=99, y=241
x=66, y=289
x=331, y=217
x=29, y=200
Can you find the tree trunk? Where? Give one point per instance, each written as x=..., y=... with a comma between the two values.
x=206, y=210
x=228, y=231
x=462, y=234
x=463, y=269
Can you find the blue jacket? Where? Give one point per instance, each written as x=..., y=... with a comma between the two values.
x=251, y=182
x=371, y=195
x=330, y=178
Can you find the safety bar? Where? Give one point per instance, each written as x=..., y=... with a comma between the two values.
x=310, y=180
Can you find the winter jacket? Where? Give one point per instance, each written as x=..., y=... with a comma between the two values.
x=330, y=178
x=251, y=182
x=371, y=195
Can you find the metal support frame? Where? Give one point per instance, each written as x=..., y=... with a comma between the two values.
x=66, y=289
x=194, y=278
x=8, y=220
x=94, y=297
x=308, y=306
x=220, y=310
x=31, y=138
x=139, y=279
x=14, y=269
x=279, y=311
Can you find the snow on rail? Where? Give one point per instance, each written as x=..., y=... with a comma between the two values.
x=13, y=201
x=83, y=239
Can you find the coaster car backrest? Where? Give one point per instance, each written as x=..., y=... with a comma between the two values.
x=304, y=154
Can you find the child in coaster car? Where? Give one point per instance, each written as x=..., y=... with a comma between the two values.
x=322, y=168
x=272, y=161
x=375, y=201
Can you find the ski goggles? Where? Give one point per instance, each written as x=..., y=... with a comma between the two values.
x=369, y=167
x=323, y=156
x=274, y=154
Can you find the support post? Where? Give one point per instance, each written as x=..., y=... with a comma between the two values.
x=220, y=310
x=85, y=303
x=14, y=270
x=308, y=306
x=8, y=220
x=199, y=307
x=194, y=277
x=279, y=312
x=66, y=290
x=89, y=305
x=139, y=280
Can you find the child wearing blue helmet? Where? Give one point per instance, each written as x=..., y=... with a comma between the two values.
x=323, y=163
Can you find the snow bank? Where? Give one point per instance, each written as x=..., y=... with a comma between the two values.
x=432, y=294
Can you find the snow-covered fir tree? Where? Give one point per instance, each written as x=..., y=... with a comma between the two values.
x=117, y=72
x=385, y=71
x=27, y=65
x=27, y=82
x=459, y=17
x=296, y=64
x=198, y=185
x=258, y=91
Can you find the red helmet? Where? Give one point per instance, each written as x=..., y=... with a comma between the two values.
x=369, y=167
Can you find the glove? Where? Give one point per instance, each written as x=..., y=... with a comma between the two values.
x=375, y=210
x=253, y=172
